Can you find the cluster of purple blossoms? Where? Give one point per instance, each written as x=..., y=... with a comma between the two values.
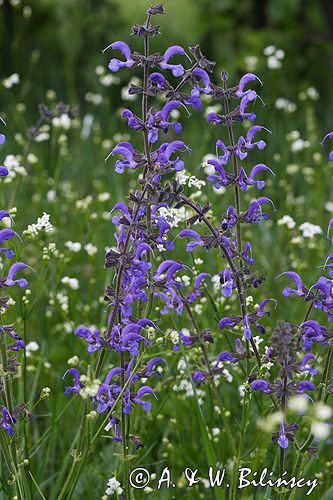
x=10, y=339
x=141, y=229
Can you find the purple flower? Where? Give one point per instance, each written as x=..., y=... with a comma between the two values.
x=10, y=281
x=226, y=356
x=3, y=170
x=247, y=254
x=199, y=377
x=248, y=97
x=305, y=367
x=229, y=322
x=92, y=338
x=248, y=77
x=126, y=150
x=116, y=64
x=282, y=439
x=177, y=69
x=158, y=79
x=244, y=181
x=305, y=385
x=77, y=386
x=260, y=312
x=151, y=365
x=7, y=421
x=330, y=136
x=247, y=329
x=6, y=234
x=298, y=282
x=191, y=234
x=142, y=392
x=261, y=385
x=254, y=213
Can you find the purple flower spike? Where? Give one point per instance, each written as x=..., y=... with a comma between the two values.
x=116, y=64
x=177, y=69
x=2, y=139
x=330, y=136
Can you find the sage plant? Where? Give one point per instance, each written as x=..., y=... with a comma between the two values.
x=143, y=231
x=11, y=343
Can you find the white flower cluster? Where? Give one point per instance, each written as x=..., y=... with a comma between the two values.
x=251, y=63
x=113, y=486
x=91, y=387
x=274, y=56
x=310, y=230
x=12, y=80
x=288, y=221
x=75, y=246
x=73, y=283
x=13, y=164
x=63, y=121
x=43, y=224
x=285, y=105
x=310, y=93
x=95, y=99
x=297, y=143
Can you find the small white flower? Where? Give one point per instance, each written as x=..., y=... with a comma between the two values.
x=310, y=230
x=90, y=249
x=12, y=80
x=43, y=224
x=269, y=50
x=104, y=196
x=323, y=412
x=298, y=403
x=73, y=283
x=73, y=246
x=273, y=63
x=31, y=347
x=288, y=221
x=113, y=486
x=62, y=121
x=320, y=430
x=73, y=361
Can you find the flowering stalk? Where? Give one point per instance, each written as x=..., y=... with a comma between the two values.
x=10, y=344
